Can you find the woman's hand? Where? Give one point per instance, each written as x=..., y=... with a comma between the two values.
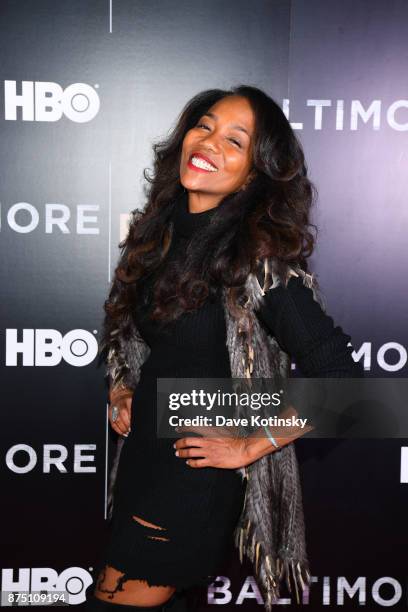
x=226, y=452
x=121, y=397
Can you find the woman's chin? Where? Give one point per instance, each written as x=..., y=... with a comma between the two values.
x=197, y=186
x=195, y=181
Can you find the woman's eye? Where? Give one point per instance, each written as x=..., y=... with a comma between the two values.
x=235, y=142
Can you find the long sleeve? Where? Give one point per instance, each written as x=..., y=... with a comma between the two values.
x=307, y=333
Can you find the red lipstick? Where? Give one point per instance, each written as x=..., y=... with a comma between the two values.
x=205, y=158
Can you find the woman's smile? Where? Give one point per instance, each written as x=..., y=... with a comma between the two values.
x=201, y=163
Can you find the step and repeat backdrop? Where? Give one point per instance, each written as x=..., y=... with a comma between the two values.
x=86, y=88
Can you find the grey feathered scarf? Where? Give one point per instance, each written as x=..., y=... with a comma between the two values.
x=270, y=530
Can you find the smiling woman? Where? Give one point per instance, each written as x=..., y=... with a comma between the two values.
x=221, y=145
x=228, y=209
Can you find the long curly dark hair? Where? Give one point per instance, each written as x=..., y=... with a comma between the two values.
x=268, y=218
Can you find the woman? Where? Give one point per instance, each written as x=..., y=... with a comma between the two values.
x=230, y=190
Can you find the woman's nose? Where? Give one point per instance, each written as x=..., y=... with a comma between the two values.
x=212, y=142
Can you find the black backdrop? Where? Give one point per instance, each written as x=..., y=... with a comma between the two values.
x=87, y=87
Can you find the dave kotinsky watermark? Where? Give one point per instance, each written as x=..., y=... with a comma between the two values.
x=316, y=407
x=212, y=401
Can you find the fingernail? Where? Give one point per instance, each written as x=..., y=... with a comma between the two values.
x=176, y=453
x=174, y=445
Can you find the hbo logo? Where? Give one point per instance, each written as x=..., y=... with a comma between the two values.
x=73, y=581
x=47, y=347
x=46, y=101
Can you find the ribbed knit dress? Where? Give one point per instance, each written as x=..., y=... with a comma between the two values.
x=198, y=508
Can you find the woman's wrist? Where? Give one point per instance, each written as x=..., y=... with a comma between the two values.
x=119, y=392
x=259, y=446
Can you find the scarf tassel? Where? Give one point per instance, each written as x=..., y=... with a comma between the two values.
x=269, y=571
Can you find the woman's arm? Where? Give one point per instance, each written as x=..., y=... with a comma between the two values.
x=309, y=335
x=123, y=351
x=258, y=446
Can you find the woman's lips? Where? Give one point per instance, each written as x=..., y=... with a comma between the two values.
x=197, y=168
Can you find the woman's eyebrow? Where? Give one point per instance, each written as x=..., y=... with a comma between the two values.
x=236, y=127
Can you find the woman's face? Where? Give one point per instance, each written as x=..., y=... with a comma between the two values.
x=216, y=157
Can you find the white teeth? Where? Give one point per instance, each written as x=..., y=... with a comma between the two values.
x=201, y=163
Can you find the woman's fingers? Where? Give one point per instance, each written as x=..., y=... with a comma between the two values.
x=122, y=424
x=117, y=429
x=125, y=411
x=118, y=425
x=121, y=397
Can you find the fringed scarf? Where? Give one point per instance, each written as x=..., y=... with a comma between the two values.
x=270, y=531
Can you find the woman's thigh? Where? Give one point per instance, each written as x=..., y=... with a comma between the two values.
x=113, y=586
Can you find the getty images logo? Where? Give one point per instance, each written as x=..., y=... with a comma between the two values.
x=48, y=347
x=46, y=101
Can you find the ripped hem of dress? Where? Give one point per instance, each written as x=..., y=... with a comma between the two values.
x=159, y=580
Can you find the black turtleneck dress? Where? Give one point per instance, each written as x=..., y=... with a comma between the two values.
x=198, y=508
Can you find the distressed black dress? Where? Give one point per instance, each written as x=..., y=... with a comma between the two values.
x=197, y=509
